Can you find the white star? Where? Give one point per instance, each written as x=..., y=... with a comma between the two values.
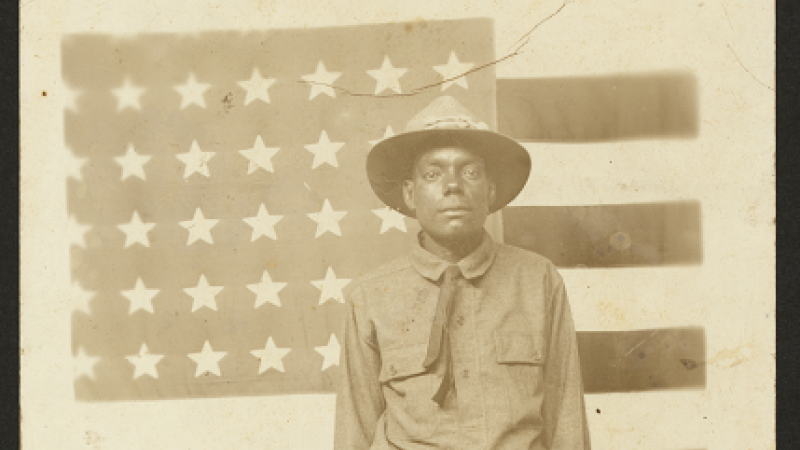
x=390, y=219
x=140, y=297
x=84, y=364
x=453, y=69
x=144, y=363
x=386, y=135
x=322, y=81
x=388, y=77
x=199, y=227
x=192, y=92
x=136, y=231
x=132, y=163
x=271, y=356
x=259, y=156
x=327, y=219
x=256, y=87
x=74, y=164
x=207, y=360
x=263, y=224
x=203, y=294
x=324, y=151
x=330, y=352
x=331, y=287
x=266, y=290
x=80, y=298
x=77, y=232
x=71, y=97
x=128, y=95
x=195, y=160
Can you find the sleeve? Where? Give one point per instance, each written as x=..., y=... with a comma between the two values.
x=359, y=403
x=563, y=409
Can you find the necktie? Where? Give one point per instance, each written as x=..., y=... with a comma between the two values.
x=439, y=342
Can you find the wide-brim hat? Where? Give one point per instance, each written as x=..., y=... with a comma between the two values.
x=445, y=122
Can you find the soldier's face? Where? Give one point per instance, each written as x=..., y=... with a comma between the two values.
x=450, y=192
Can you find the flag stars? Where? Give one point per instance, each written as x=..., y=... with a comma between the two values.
x=207, y=360
x=132, y=163
x=263, y=224
x=321, y=82
x=329, y=352
x=257, y=88
x=144, y=363
x=452, y=71
x=266, y=290
x=390, y=218
x=196, y=161
x=386, y=135
x=136, y=231
x=327, y=219
x=192, y=92
x=199, y=227
x=128, y=95
x=331, y=287
x=84, y=364
x=259, y=156
x=387, y=77
x=324, y=151
x=74, y=165
x=203, y=294
x=271, y=357
x=140, y=297
x=79, y=297
x=71, y=96
x=77, y=232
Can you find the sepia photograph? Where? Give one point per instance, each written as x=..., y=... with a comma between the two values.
x=430, y=225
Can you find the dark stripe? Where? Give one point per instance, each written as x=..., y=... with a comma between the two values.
x=585, y=109
x=644, y=234
x=642, y=360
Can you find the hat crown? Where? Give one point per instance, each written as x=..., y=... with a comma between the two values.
x=445, y=112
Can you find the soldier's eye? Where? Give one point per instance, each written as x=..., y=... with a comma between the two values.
x=473, y=173
x=430, y=175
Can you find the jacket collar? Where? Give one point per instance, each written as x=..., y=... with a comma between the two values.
x=472, y=266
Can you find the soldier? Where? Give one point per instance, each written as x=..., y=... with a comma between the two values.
x=465, y=343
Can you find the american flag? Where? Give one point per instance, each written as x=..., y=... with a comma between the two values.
x=219, y=204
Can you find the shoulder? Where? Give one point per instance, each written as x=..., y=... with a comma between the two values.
x=531, y=264
x=519, y=256
x=390, y=272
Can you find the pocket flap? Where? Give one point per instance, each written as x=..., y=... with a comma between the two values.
x=519, y=348
x=403, y=362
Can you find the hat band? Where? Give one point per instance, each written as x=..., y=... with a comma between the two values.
x=459, y=122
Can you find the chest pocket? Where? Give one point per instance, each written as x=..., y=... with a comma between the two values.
x=409, y=388
x=523, y=356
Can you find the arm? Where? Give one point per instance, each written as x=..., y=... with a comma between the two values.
x=360, y=402
x=563, y=408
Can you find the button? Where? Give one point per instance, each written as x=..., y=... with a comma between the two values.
x=392, y=371
x=460, y=320
x=465, y=373
x=536, y=355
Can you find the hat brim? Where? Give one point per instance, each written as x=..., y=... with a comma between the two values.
x=390, y=162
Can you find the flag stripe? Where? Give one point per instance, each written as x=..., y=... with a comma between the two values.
x=643, y=360
x=643, y=234
x=599, y=108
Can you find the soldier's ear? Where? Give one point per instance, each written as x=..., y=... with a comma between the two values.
x=408, y=194
x=492, y=192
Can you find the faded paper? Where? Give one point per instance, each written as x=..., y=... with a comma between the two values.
x=727, y=167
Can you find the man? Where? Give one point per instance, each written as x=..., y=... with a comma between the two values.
x=465, y=343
